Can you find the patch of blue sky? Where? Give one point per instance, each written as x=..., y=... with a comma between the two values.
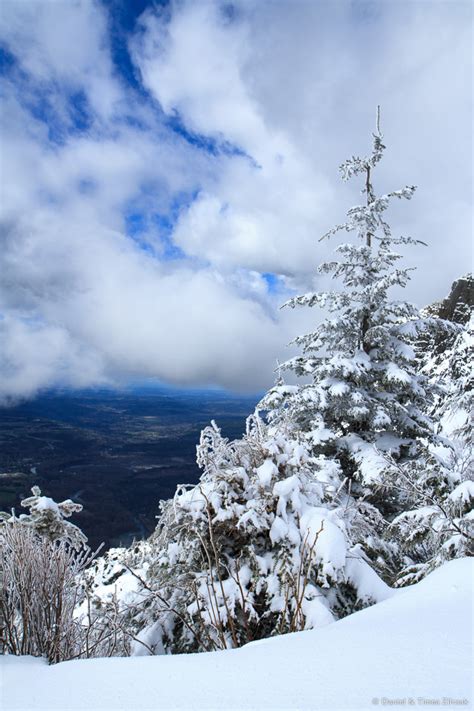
x=61, y=109
x=145, y=245
x=79, y=111
x=182, y=200
x=171, y=252
x=141, y=227
x=7, y=60
x=274, y=282
x=40, y=105
x=137, y=229
x=122, y=22
x=214, y=146
x=166, y=223
x=135, y=223
x=132, y=121
x=122, y=17
x=143, y=207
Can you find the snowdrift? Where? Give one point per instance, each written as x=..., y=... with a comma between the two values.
x=413, y=649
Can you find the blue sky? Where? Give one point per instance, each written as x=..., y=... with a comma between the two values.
x=167, y=169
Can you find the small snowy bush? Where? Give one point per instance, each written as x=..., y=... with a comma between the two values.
x=255, y=549
x=41, y=557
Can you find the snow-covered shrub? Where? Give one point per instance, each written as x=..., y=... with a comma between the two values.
x=438, y=523
x=41, y=557
x=48, y=519
x=439, y=528
x=452, y=367
x=255, y=549
x=48, y=603
x=113, y=605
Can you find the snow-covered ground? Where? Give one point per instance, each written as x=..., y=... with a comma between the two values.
x=413, y=649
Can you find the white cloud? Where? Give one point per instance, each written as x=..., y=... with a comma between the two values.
x=193, y=65
x=36, y=355
x=200, y=65
x=64, y=43
x=293, y=86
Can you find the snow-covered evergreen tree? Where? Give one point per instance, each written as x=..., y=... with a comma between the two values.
x=439, y=521
x=439, y=527
x=447, y=362
x=365, y=403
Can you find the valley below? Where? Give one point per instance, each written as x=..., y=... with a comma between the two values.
x=117, y=454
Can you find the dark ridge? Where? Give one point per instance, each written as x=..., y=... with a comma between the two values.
x=458, y=305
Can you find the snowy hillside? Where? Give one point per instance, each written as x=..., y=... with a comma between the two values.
x=415, y=645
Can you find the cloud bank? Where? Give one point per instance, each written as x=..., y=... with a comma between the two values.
x=165, y=180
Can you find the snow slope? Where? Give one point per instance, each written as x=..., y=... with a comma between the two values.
x=415, y=645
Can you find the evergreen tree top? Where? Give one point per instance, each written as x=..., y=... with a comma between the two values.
x=364, y=398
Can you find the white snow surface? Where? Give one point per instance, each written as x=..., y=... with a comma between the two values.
x=416, y=645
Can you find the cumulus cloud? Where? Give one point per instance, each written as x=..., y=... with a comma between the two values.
x=199, y=63
x=65, y=44
x=295, y=85
x=37, y=354
x=140, y=221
